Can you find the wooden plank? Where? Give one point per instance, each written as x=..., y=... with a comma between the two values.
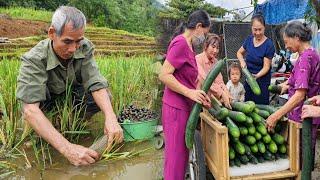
x=294, y=148
x=275, y=175
x=217, y=126
x=211, y=118
x=225, y=155
x=215, y=170
x=216, y=143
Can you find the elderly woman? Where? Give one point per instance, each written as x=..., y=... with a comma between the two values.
x=305, y=77
x=258, y=51
x=205, y=62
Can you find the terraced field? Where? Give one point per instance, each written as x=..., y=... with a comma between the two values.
x=107, y=41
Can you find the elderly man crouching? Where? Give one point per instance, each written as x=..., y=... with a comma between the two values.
x=65, y=58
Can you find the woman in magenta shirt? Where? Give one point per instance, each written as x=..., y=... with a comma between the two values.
x=179, y=74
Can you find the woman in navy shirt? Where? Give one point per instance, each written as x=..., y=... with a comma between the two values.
x=258, y=51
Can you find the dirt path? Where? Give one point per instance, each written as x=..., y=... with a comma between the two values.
x=14, y=28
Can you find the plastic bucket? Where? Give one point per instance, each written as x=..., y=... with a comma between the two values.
x=139, y=130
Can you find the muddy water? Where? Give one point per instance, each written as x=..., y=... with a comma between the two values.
x=146, y=166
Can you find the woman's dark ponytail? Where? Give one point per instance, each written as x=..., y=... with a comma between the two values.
x=199, y=16
x=180, y=29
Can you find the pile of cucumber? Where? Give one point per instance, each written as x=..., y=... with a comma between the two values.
x=249, y=140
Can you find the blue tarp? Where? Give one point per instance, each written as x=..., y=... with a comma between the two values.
x=281, y=11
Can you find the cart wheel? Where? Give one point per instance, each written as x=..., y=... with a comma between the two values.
x=197, y=164
x=158, y=142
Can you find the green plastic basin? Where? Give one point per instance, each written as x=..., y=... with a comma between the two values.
x=139, y=130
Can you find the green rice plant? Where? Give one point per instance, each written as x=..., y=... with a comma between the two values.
x=69, y=116
x=6, y=169
x=9, y=105
x=41, y=150
x=6, y=174
x=27, y=13
x=131, y=81
x=115, y=153
x=101, y=30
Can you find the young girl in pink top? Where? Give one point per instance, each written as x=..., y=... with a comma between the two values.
x=179, y=74
x=206, y=61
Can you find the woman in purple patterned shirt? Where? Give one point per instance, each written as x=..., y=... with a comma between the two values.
x=304, y=81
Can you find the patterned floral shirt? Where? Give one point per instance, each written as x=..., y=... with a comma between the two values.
x=305, y=75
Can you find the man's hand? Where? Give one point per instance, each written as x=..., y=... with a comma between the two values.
x=79, y=155
x=310, y=111
x=113, y=130
x=315, y=100
x=111, y=126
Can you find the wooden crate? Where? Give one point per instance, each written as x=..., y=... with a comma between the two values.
x=214, y=137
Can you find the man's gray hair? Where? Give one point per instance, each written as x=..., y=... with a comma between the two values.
x=65, y=14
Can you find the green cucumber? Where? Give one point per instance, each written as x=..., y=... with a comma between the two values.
x=263, y=113
x=215, y=103
x=277, y=138
x=261, y=128
x=256, y=118
x=251, y=103
x=251, y=130
x=307, y=155
x=249, y=121
x=283, y=149
x=268, y=108
x=251, y=82
x=250, y=140
x=232, y=153
x=267, y=155
x=253, y=159
x=232, y=128
x=237, y=162
x=283, y=156
x=195, y=112
x=275, y=89
x=244, y=159
x=219, y=114
x=266, y=139
x=272, y=147
x=254, y=148
x=237, y=116
x=257, y=135
x=243, y=130
x=242, y=107
x=239, y=147
x=261, y=147
x=247, y=148
x=278, y=127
